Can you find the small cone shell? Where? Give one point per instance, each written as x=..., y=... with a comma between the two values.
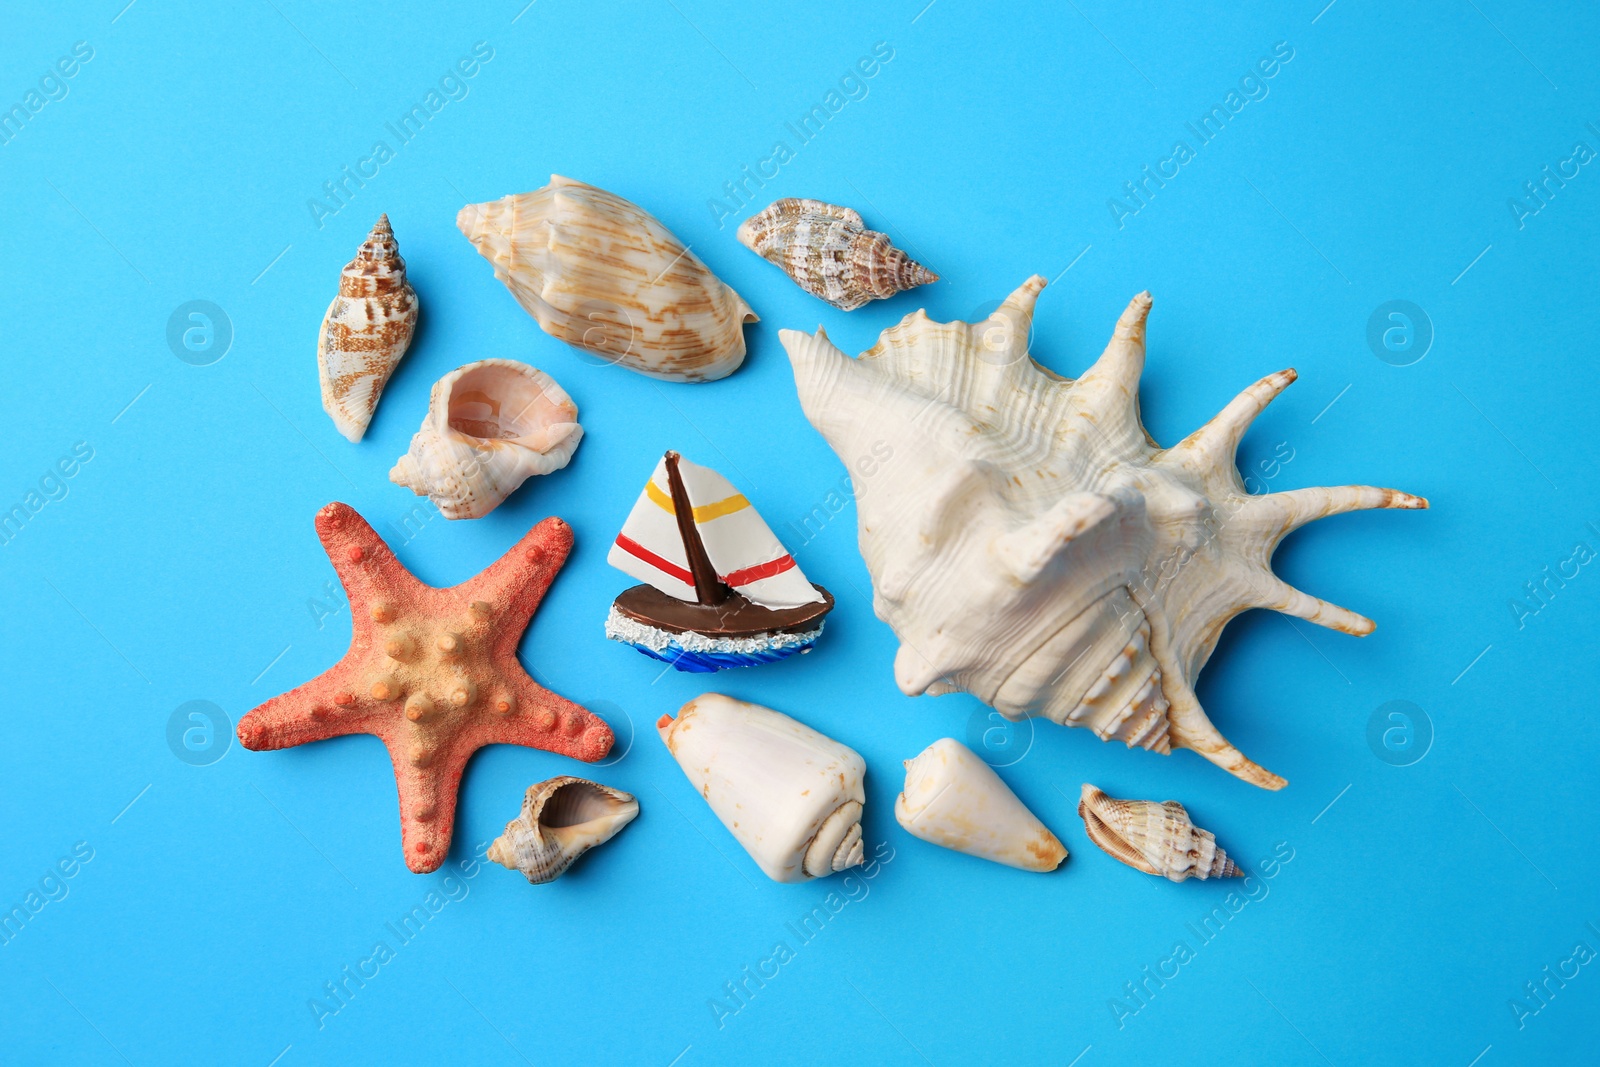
x=955, y=800
x=830, y=253
x=561, y=820
x=1155, y=838
x=365, y=332
x=792, y=796
x=605, y=276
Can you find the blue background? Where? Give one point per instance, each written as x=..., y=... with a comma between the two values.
x=181, y=564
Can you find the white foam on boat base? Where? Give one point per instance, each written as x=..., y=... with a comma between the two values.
x=620, y=627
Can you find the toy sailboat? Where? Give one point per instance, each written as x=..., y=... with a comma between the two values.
x=720, y=589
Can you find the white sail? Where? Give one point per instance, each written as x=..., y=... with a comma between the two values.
x=742, y=548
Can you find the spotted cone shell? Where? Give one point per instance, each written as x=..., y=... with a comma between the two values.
x=1154, y=838
x=365, y=332
x=830, y=253
x=561, y=819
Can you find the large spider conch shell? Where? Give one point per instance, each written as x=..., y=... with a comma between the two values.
x=830, y=253
x=1155, y=838
x=491, y=425
x=793, y=797
x=366, y=331
x=1031, y=545
x=603, y=275
x=955, y=800
x=561, y=820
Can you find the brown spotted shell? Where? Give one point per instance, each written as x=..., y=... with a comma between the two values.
x=1155, y=838
x=830, y=253
x=365, y=332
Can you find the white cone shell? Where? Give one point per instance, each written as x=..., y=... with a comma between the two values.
x=491, y=425
x=791, y=796
x=955, y=800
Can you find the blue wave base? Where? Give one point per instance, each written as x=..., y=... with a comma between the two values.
x=707, y=662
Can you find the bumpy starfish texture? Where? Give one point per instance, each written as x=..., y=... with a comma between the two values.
x=433, y=673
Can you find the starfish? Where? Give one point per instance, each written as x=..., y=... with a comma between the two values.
x=433, y=673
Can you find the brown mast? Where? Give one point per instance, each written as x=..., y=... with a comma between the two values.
x=708, y=588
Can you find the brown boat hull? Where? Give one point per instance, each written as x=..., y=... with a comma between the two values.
x=735, y=617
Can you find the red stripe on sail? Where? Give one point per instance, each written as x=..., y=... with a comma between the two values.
x=634, y=548
x=760, y=571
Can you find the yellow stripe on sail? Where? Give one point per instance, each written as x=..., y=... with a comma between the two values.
x=705, y=512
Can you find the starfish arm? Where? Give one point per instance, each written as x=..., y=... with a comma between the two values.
x=428, y=786
x=516, y=582
x=541, y=719
x=310, y=712
x=368, y=569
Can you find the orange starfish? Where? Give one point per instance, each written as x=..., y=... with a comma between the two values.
x=433, y=673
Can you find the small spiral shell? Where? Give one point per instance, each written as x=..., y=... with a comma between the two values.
x=1155, y=838
x=365, y=331
x=830, y=253
x=561, y=819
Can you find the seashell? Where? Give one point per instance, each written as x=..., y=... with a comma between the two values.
x=1154, y=838
x=792, y=796
x=603, y=275
x=491, y=425
x=955, y=800
x=1029, y=542
x=830, y=253
x=561, y=819
x=366, y=331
